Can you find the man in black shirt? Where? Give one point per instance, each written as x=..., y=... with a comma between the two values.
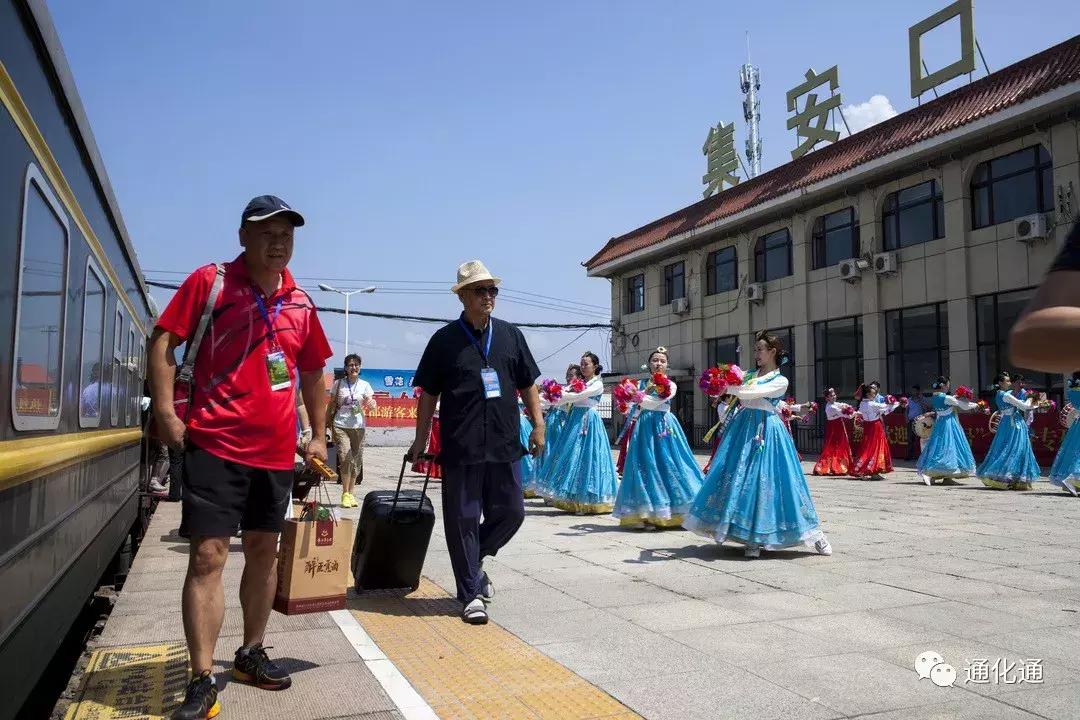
x=476, y=365
x=1047, y=335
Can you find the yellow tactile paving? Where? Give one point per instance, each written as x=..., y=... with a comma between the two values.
x=139, y=681
x=472, y=672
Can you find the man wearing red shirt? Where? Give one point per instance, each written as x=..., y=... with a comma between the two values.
x=239, y=434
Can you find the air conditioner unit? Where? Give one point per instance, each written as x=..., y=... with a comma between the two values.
x=680, y=306
x=849, y=270
x=755, y=292
x=1030, y=228
x=885, y=263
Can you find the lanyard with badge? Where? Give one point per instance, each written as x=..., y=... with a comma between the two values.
x=353, y=404
x=277, y=369
x=488, y=376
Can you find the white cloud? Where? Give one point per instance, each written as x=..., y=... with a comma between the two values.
x=863, y=115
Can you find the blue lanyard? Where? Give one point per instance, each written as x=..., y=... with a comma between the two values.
x=352, y=397
x=485, y=352
x=266, y=315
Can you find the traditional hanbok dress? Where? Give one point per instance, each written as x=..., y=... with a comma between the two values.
x=661, y=476
x=1065, y=472
x=874, y=456
x=527, y=466
x=946, y=453
x=434, y=446
x=554, y=418
x=1010, y=463
x=582, y=478
x=628, y=429
x=724, y=413
x=835, y=458
x=755, y=493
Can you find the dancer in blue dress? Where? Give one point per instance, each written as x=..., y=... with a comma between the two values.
x=755, y=493
x=555, y=417
x=661, y=477
x=946, y=454
x=1065, y=472
x=582, y=477
x=1010, y=463
x=527, y=466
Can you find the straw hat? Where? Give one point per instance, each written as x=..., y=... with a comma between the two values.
x=472, y=272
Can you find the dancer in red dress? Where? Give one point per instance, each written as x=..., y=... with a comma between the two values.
x=874, y=457
x=434, y=445
x=835, y=456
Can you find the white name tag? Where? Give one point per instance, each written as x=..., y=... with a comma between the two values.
x=491, y=383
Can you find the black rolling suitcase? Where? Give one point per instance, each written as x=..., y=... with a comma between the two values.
x=392, y=538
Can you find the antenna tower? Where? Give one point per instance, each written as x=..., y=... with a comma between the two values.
x=750, y=83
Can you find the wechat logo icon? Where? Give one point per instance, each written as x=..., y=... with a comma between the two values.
x=931, y=665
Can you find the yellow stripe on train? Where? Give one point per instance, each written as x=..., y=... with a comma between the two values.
x=25, y=458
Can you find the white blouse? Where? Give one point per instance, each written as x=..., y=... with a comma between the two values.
x=651, y=402
x=589, y=397
x=756, y=396
x=872, y=410
x=835, y=410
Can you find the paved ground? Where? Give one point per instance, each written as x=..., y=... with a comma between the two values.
x=675, y=627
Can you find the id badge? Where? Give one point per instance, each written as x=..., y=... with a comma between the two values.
x=491, y=383
x=278, y=371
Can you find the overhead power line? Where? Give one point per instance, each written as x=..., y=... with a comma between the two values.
x=420, y=318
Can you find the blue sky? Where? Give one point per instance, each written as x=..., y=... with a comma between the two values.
x=415, y=136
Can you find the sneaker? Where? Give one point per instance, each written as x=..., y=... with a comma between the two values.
x=347, y=500
x=253, y=666
x=926, y=480
x=1069, y=485
x=156, y=488
x=487, y=589
x=475, y=613
x=823, y=547
x=200, y=699
x=752, y=551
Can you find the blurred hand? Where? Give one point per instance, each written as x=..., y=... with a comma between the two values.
x=316, y=448
x=537, y=442
x=171, y=429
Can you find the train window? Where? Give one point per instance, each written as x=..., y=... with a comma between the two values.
x=134, y=393
x=117, y=375
x=39, y=313
x=91, y=377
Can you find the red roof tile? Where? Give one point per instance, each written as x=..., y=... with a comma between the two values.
x=1010, y=86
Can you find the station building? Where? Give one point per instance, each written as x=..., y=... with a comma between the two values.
x=899, y=253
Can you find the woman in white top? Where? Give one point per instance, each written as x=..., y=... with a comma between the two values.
x=874, y=457
x=835, y=458
x=349, y=398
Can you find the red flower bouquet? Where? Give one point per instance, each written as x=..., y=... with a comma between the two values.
x=577, y=385
x=715, y=380
x=660, y=385
x=847, y=411
x=552, y=391
x=623, y=394
x=965, y=393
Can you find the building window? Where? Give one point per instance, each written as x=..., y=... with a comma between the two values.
x=722, y=350
x=117, y=365
x=772, y=256
x=788, y=369
x=674, y=282
x=1011, y=186
x=721, y=271
x=635, y=293
x=913, y=215
x=93, y=349
x=917, y=346
x=994, y=317
x=838, y=361
x=39, y=313
x=836, y=237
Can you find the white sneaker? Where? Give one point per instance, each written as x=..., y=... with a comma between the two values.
x=475, y=613
x=823, y=547
x=156, y=488
x=926, y=480
x=1070, y=486
x=752, y=551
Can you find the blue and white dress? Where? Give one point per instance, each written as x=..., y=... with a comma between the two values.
x=946, y=453
x=554, y=418
x=528, y=465
x=661, y=476
x=1065, y=472
x=755, y=493
x=581, y=477
x=1010, y=463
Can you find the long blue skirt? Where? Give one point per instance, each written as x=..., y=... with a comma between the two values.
x=755, y=492
x=660, y=477
x=528, y=464
x=554, y=422
x=1010, y=462
x=582, y=477
x=1067, y=463
x=947, y=453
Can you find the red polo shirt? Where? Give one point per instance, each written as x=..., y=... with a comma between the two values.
x=234, y=414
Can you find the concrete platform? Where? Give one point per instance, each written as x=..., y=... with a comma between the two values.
x=595, y=621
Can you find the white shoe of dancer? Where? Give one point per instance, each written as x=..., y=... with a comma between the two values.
x=752, y=551
x=926, y=480
x=1070, y=486
x=823, y=547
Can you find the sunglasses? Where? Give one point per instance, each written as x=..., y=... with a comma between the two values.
x=482, y=291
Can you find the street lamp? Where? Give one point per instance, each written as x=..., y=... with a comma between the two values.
x=346, y=293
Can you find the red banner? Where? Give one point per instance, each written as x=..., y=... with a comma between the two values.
x=392, y=412
x=1046, y=429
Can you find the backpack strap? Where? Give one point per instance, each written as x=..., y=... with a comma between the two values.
x=186, y=373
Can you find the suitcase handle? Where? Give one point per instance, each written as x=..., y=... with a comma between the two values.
x=401, y=477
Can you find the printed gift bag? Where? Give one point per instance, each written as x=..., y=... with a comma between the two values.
x=313, y=563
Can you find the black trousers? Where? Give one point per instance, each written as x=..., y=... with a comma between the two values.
x=483, y=507
x=912, y=441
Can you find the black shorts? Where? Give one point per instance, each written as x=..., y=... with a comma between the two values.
x=221, y=496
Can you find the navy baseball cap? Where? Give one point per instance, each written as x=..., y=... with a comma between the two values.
x=267, y=206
